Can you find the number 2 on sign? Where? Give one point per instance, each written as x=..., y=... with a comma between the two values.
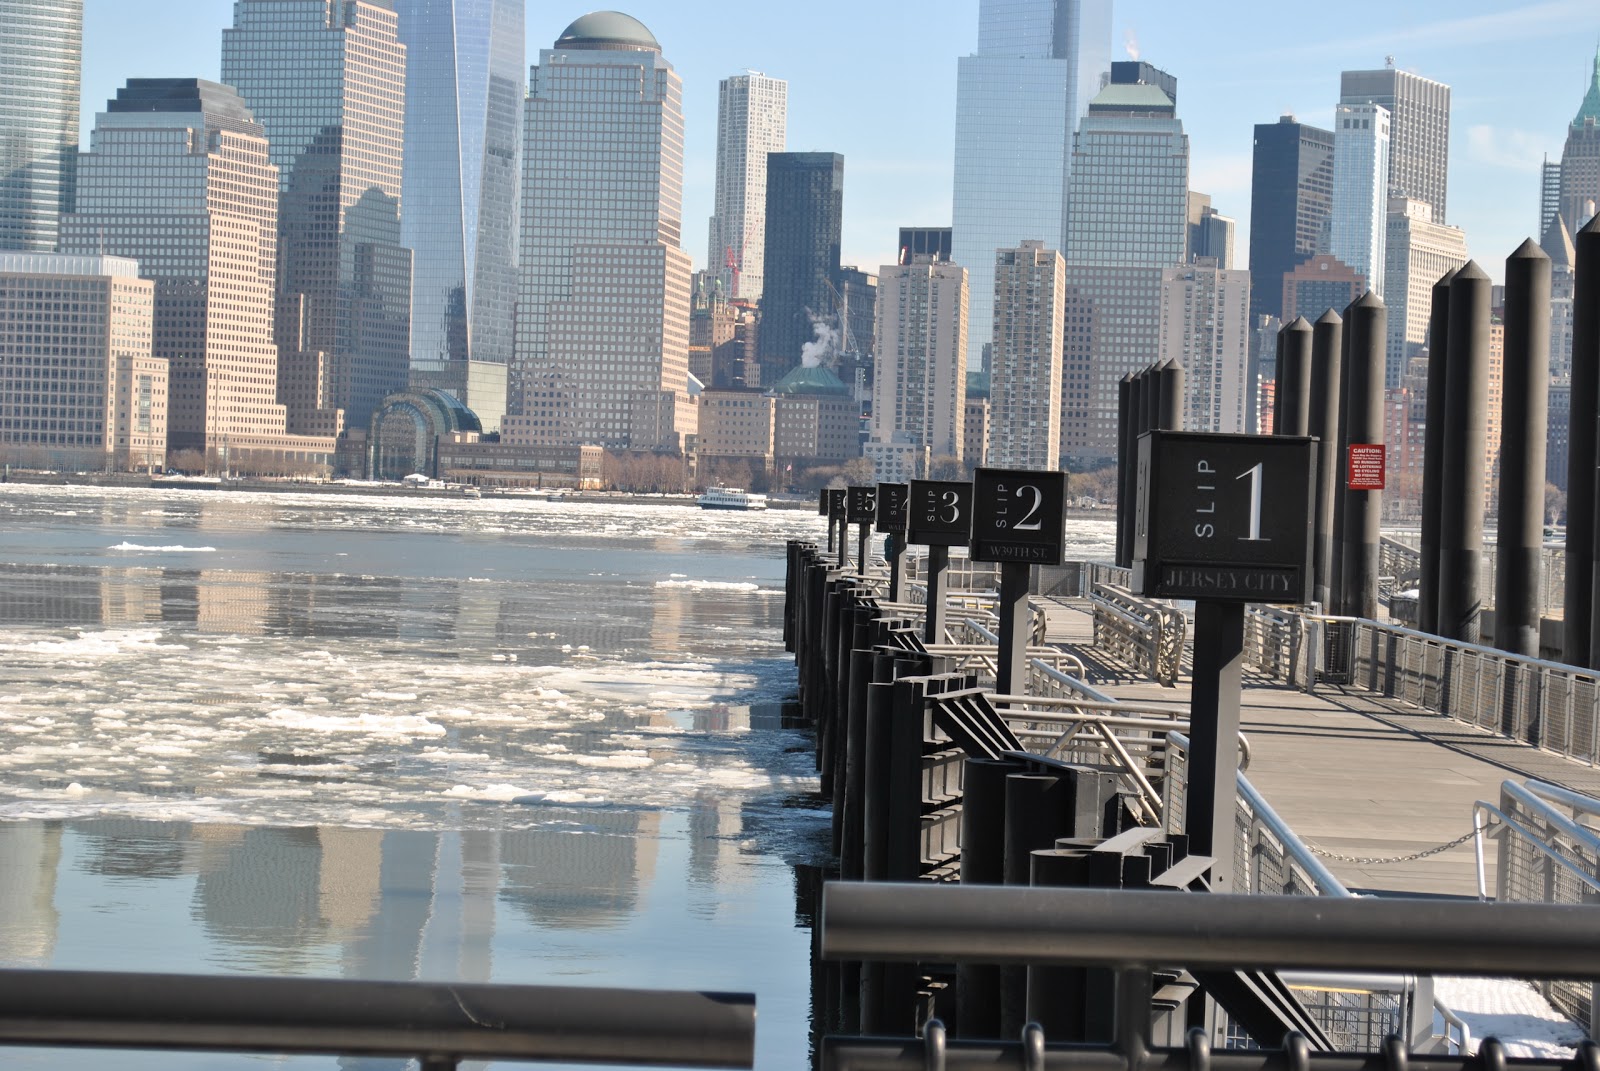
x=1254, y=473
x=1030, y=521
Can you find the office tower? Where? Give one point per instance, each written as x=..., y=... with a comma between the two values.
x=178, y=178
x=1018, y=102
x=920, y=375
x=1419, y=131
x=1419, y=252
x=1025, y=374
x=1580, y=158
x=327, y=84
x=41, y=52
x=1357, y=226
x=752, y=121
x=1127, y=220
x=1324, y=282
x=602, y=332
x=1205, y=327
x=923, y=241
x=459, y=192
x=805, y=219
x=80, y=391
x=1210, y=232
x=1557, y=245
x=1549, y=192
x=1291, y=196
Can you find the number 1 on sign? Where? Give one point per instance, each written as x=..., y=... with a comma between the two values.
x=1254, y=472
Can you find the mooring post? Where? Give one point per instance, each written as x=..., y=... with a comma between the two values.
x=1433, y=453
x=1277, y=381
x=1368, y=331
x=1124, y=495
x=1338, y=446
x=1524, y=421
x=1465, y=444
x=1212, y=793
x=1294, y=392
x=1170, y=414
x=1327, y=365
x=1585, y=356
x=983, y=839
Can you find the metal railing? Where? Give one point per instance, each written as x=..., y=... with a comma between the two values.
x=1147, y=635
x=1549, y=853
x=1400, y=564
x=437, y=1024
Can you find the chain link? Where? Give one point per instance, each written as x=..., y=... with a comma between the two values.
x=1377, y=860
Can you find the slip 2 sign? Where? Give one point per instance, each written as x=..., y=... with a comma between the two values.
x=1224, y=517
x=1018, y=516
x=939, y=514
x=1366, y=467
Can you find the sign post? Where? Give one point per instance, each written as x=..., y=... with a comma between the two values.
x=939, y=517
x=1018, y=519
x=891, y=518
x=836, y=515
x=1224, y=520
x=861, y=509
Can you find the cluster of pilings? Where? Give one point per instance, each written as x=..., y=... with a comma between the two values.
x=1146, y=401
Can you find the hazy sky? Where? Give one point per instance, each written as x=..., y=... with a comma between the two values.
x=875, y=81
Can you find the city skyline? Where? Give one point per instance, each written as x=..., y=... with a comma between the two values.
x=1516, y=77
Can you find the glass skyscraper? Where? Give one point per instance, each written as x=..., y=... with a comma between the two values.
x=1357, y=231
x=805, y=221
x=1419, y=130
x=41, y=65
x=1291, y=194
x=465, y=83
x=1018, y=102
x=326, y=81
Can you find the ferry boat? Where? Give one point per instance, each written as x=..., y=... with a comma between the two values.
x=730, y=498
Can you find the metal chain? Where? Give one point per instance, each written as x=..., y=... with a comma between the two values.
x=1375, y=860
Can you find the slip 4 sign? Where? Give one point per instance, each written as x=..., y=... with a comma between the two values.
x=1018, y=516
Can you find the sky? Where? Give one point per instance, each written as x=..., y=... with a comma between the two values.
x=875, y=80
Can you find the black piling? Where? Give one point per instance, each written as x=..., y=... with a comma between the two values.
x=1294, y=390
x=1151, y=397
x=1524, y=420
x=1465, y=444
x=1583, y=460
x=1170, y=411
x=1368, y=332
x=1327, y=365
x=1125, y=437
x=1339, y=447
x=1433, y=453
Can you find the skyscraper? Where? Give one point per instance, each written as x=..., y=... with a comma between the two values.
x=1018, y=102
x=465, y=82
x=1580, y=158
x=1025, y=378
x=1549, y=192
x=326, y=81
x=1127, y=221
x=805, y=220
x=178, y=178
x=1418, y=252
x=602, y=331
x=1291, y=194
x=752, y=121
x=920, y=380
x=1205, y=328
x=1419, y=131
x=41, y=53
x=1360, y=203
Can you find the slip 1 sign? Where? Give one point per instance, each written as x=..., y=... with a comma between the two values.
x=862, y=505
x=940, y=514
x=892, y=499
x=1018, y=516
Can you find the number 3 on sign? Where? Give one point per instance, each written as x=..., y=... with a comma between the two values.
x=1254, y=473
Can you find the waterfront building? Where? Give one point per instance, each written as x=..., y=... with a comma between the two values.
x=1291, y=196
x=1357, y=225
x=816, y=420
x=407, y=430
x=1580, y=158
x=1025, y=353
x=1419, y=131
x=1127, y=222
x=920, y=362
x=459, y=192
x=1317, y=285
x=80, y=388
x=737, y=425
x=327, y=84
x=752, y=121
x=1419, y=252
x=178, y=177
x=602, y=330
x=41, y=55
x=1019, y=99
x=1205, y=328
x=805, y=220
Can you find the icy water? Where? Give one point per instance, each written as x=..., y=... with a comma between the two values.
x=495, y=740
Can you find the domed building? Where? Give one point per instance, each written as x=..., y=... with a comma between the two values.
x=407, y=429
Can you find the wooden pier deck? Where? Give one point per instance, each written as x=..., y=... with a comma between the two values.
x=1358, y=777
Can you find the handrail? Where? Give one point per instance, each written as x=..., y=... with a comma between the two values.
x=1534, y=841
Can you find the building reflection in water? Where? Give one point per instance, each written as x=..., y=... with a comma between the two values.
x=30, y=855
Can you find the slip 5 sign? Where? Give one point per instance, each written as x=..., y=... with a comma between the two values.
x=1224, y=517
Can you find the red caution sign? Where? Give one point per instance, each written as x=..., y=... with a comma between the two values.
x=1366, y=471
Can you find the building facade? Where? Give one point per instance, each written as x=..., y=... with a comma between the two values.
x=752, y=121
x=1419, y=253
x=41, y=59
x=1291, y=197
x=1419, y=131
x=1358, y=224
x=805, y=221
x=1557, y=245
x=1019, y=98
x=80, y=388
x=1025, y=372
x=459, y=192
x=179, y=178
x=1580, y=158
x=326, y=81
x=736, y=425
x=1320, y=284
x=602, y=330
x=920, y=380
x=1205, y=328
